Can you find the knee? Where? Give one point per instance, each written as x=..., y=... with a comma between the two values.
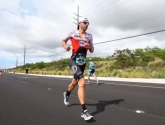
x=74, y=82
x=81, y=82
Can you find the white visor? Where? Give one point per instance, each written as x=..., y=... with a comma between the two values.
x=84, y=20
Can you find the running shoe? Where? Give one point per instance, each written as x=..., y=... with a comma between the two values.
x=66, y=99
x=97, y=82
x=87, y=82
x=85, y=115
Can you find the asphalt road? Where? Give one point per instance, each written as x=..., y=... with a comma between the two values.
x=37, y=100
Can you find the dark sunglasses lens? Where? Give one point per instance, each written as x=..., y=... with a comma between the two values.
x=86, y=23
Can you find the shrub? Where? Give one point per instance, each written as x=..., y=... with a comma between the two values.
x=155, y=65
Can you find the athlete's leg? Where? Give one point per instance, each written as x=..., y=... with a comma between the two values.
x=74, y=82
x=71, y=86
x=81, y=91
x=89, y=73
x=82, y=98
x=67, y=93
x=96, y=78
x=88, y=77
x=93, y=73
x=78, y=75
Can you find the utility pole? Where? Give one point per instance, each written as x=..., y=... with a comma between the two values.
x=24, y=53
x=17, y=62
x=77, y=16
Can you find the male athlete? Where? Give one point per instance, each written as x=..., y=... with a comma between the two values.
x=26, y=70
x=81, y=43
x=91, y=72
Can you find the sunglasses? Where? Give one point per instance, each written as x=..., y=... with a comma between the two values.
x=86, y=23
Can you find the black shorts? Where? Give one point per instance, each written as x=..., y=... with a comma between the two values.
x=91, y=72
x=77, y=70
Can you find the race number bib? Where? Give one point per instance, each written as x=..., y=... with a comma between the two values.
x=80, y=59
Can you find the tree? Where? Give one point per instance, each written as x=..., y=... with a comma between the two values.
x=125, y=58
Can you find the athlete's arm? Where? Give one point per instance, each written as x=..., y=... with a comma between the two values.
x=91, y=49
x=93, y=64
x=64, y=42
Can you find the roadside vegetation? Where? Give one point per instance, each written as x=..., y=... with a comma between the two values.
x=126, y=63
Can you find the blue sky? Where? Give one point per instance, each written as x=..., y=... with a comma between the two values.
x=41, y=25
x=28, y=6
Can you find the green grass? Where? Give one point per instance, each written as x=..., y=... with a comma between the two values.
x=154, y=69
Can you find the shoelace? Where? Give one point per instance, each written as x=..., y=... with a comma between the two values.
x=67, y=98
x=86, y=113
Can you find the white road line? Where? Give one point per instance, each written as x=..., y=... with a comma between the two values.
x=65, y=79
x=139, y=111
x=137, y=86
x=49, y=88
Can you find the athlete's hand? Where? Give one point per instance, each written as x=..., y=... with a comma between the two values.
x=87, y=45
x=67, y=47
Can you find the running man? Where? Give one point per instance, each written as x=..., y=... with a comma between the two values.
x=91, y=72
x=26, y=70
x=81, y=43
